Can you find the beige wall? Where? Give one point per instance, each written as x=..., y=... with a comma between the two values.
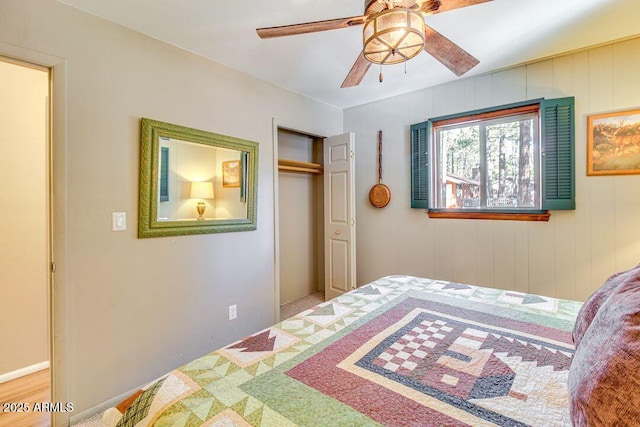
x=300, y=210
x=567, y=257
x=24, y=217
x=136, y=308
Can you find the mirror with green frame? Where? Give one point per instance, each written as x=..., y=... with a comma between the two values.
x=195, y=182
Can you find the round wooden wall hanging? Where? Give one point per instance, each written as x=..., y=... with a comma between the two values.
x=380, y=195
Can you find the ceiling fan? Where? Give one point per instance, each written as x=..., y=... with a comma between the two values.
x=379, y=47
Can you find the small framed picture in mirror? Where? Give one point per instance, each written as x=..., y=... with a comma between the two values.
x=231, y=174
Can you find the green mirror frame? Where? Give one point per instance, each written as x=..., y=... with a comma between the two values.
x=148, y=224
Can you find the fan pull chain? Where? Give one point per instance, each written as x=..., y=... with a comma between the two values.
x=405, y=67
x=380, y=77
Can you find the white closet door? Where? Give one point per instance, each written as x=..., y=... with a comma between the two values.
x=339, y=215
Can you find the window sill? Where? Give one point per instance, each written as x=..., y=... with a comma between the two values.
x=499, y=216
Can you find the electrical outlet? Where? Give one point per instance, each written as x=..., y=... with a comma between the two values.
x=233, y=311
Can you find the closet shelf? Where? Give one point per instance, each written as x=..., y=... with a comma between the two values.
x=300, y=167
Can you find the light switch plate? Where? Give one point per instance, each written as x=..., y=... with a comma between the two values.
x=119, y=221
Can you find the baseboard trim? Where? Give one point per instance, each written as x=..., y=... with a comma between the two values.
x=23, y=372
x=81, y=416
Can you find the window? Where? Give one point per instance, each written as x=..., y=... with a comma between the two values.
x=508, y=161
x=164, y=174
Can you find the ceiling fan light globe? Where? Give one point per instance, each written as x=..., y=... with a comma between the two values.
x=393, y=36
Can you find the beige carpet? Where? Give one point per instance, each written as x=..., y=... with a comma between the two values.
x=298, y=306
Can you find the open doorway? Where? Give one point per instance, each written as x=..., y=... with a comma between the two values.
x=25, y=241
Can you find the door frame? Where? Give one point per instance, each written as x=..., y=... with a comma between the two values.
x=58, y=217
x=279, y=124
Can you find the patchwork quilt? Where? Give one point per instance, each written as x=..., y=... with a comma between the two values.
x=400, y=351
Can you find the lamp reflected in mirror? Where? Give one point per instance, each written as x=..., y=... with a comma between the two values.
x=201, y=190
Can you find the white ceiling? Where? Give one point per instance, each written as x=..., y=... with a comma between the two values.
x=500, y=33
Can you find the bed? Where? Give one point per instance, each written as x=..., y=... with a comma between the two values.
x=400, y=351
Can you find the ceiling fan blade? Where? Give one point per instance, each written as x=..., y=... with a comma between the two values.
x=447, y=5
x=359, y=69
x=310, y=27
x=447, y=52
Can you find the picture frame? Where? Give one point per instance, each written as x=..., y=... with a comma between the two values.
x=231, y=174
x=613, y=143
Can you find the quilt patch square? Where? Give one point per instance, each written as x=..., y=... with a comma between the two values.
x=327, y=313
x=258, y=346
x=530, y=301
x=453, y=288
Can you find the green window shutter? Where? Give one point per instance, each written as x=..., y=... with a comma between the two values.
x=419, y=164
x=558, y=166
x=164, y=174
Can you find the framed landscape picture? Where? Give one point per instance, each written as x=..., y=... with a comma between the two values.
x=231, y=174
x=613, y=143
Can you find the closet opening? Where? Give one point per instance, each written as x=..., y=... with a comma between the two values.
x=301, y=221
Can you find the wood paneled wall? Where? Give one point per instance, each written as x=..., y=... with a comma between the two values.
x=568, y=257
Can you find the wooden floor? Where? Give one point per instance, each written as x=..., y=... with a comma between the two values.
x=28, y=389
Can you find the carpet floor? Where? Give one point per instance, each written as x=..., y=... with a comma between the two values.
x=298, y=306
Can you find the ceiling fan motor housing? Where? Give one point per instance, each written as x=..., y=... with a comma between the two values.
x=372, y=7
x=430, y=6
